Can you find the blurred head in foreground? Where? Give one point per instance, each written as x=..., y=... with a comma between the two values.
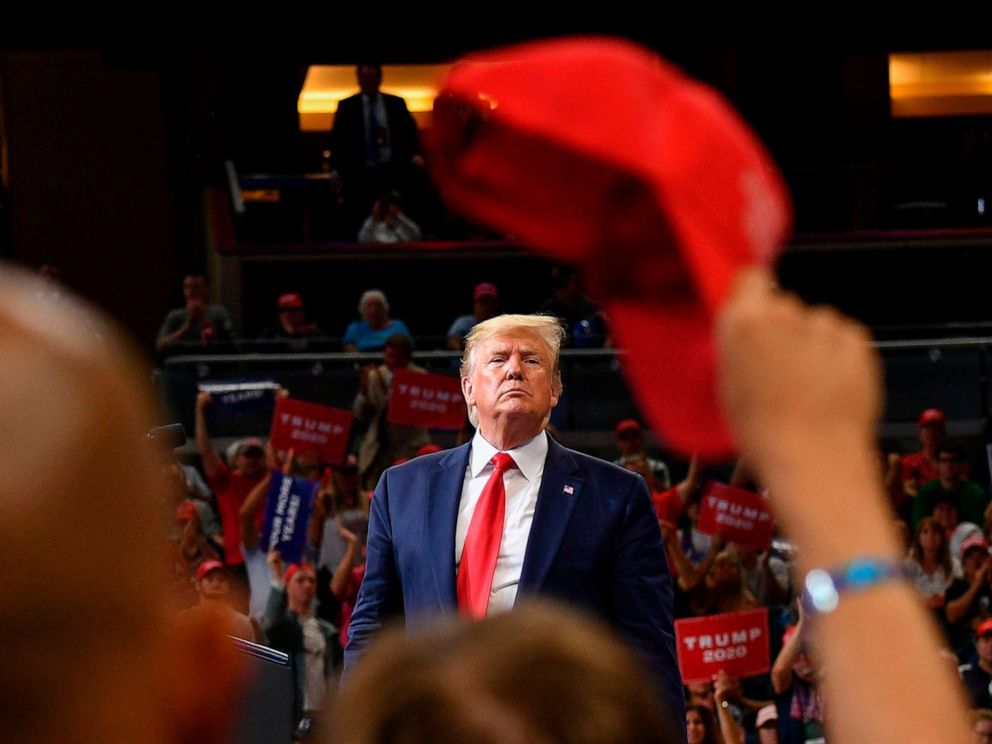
x=540, y=673
x=93, y=649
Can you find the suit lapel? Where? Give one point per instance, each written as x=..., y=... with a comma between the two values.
x=560, y=489
x=443, y=497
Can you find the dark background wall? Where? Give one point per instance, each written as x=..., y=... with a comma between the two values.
x=91, y=180
x=111, y=137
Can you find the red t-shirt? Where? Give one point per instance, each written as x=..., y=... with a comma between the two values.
x=348, y=602
x=919, y=468
x=667, y=504
x=668, y=507
x=231, y=489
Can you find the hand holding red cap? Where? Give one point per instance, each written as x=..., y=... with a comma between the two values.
x=598, y=152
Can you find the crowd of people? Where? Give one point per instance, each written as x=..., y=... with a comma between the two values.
x=201, y=326
x=946, y=559
x=943, y=518
x=508, y=589
x=829, y=671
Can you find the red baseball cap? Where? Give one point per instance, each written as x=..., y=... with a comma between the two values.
x=293, y=568
x=207, y=566
x=984, y=628
x=932, y=416
x=428, y=449
x=290, y=301
x=976, y=540
x=597, y=152
x=485, y=289
x=627, y=425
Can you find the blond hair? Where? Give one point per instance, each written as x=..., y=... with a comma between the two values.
x=542, y=673
x=545, y=327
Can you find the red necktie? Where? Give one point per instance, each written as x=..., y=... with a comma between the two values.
x=485, y=531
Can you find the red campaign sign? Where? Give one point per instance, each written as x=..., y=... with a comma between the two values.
x=736, y=642
x=739, y=515
x=430, y=401
x=311, y=427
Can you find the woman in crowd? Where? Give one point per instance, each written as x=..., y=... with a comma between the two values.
x=370, y=333
x=725, y=590
x=700, y=728
x=930, y=565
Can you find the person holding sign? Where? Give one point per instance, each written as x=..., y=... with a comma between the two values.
x=291, y=627
x=231, y=484
x=284, y=500
x=513, y=514
x=796, y=675
x=384, y=442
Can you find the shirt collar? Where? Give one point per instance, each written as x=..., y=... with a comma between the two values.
x=529, y=457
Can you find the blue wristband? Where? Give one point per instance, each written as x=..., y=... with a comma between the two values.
x=823, y=589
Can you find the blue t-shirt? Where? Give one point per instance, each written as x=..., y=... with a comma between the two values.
x=462, y=325
x=364, y=338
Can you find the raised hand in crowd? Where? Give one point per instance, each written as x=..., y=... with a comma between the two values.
x=276, y=564
x=727, y=692
x=342, y=585
x=797, y=384
x=193, y=544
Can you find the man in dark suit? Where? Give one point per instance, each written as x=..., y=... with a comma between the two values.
x=375, y=147
x=514, y=514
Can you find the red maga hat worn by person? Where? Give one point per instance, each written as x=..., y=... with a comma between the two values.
x=596, y=151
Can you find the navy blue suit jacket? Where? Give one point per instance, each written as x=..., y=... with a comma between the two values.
x=594, y=543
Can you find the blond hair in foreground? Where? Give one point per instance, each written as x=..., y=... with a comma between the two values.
x=541, y=673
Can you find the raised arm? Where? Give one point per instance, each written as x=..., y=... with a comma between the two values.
x=211, y=461
x=341, y=582
x=688, y=577
x=777, y=593
x=726, y=690
x=691, y=481
x=798, y=383
x=254, y=501
x=787, y=655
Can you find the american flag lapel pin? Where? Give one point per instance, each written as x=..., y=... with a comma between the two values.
x=569, y=490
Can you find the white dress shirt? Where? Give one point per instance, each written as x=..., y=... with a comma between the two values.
x=521, y=484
